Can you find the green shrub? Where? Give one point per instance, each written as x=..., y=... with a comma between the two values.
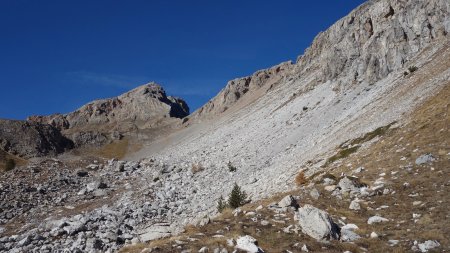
x=231, y=168
x=10, y=164
x=343, y=153
x=412, y=69
x=221, y=204
x=237, y=197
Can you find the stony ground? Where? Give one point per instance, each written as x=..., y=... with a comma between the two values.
x=339, y=124
x=399, y=174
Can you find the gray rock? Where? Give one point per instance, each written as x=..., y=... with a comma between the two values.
x=348, y=185
x=314, y=193
x=376, y=219
x=248, y=244
x=154, y=232
x=428, y=245
x=347, y=235
x=317, y=223
x=354, y=205
x=424, y=159
x=288, y=201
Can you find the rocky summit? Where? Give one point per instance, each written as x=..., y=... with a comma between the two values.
x=345, y=150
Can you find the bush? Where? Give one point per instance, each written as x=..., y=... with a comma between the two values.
x=10, y=164
x=412, y=69
x=196, y=167
x=237, y=197
x=300, y=179
x=221, y=204
x=231, y=168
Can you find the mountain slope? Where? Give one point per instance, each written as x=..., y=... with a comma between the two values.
x=370, y=70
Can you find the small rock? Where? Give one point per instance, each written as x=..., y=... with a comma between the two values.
x=392, y=243
x=354, y=205
x=376, y=219
x=426, y=158
x=203, y=250
x=427, y=245
x=248, y=244
x=305, y=248
x=330, y=188
x=373, y=235
x=288, y=201
x=314, y=193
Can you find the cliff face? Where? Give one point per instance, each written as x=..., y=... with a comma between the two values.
x=377, y=38
x=30, y=139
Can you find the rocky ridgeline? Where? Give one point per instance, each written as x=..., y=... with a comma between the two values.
x=374, y=40
x=96, y=123
x=143, y=106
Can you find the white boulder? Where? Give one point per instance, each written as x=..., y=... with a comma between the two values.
x=317, y=223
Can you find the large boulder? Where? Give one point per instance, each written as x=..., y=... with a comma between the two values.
x=317, y=223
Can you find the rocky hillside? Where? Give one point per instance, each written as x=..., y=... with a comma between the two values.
x=31, y=139
x=355, y=132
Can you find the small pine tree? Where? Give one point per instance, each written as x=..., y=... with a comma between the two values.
x=231, y=168
x=221, y=204
x=10, y=164
x=237, y=197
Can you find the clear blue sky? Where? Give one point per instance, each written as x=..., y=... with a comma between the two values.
x=57, y=55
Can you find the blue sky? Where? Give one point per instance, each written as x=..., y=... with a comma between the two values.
x=58, y=55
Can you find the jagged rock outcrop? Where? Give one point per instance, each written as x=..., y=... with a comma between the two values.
x=105, y=120
x=145, y=106
x=30, y=139
x=240, y=87
x=367, y=45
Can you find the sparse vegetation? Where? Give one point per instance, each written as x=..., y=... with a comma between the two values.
x=343, y=153
x=197, y=167
x=221, y=204
x=300, y=179
x=412, y=69
x=10, y=164
x=237, y=197
x=370, y=135
x=231, y=168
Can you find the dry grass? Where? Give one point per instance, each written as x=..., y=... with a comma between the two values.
x=4, y=156
x=300, y=179
x=117, y=149
x=197, y=167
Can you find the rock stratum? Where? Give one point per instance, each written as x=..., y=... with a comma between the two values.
x=374, y=71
